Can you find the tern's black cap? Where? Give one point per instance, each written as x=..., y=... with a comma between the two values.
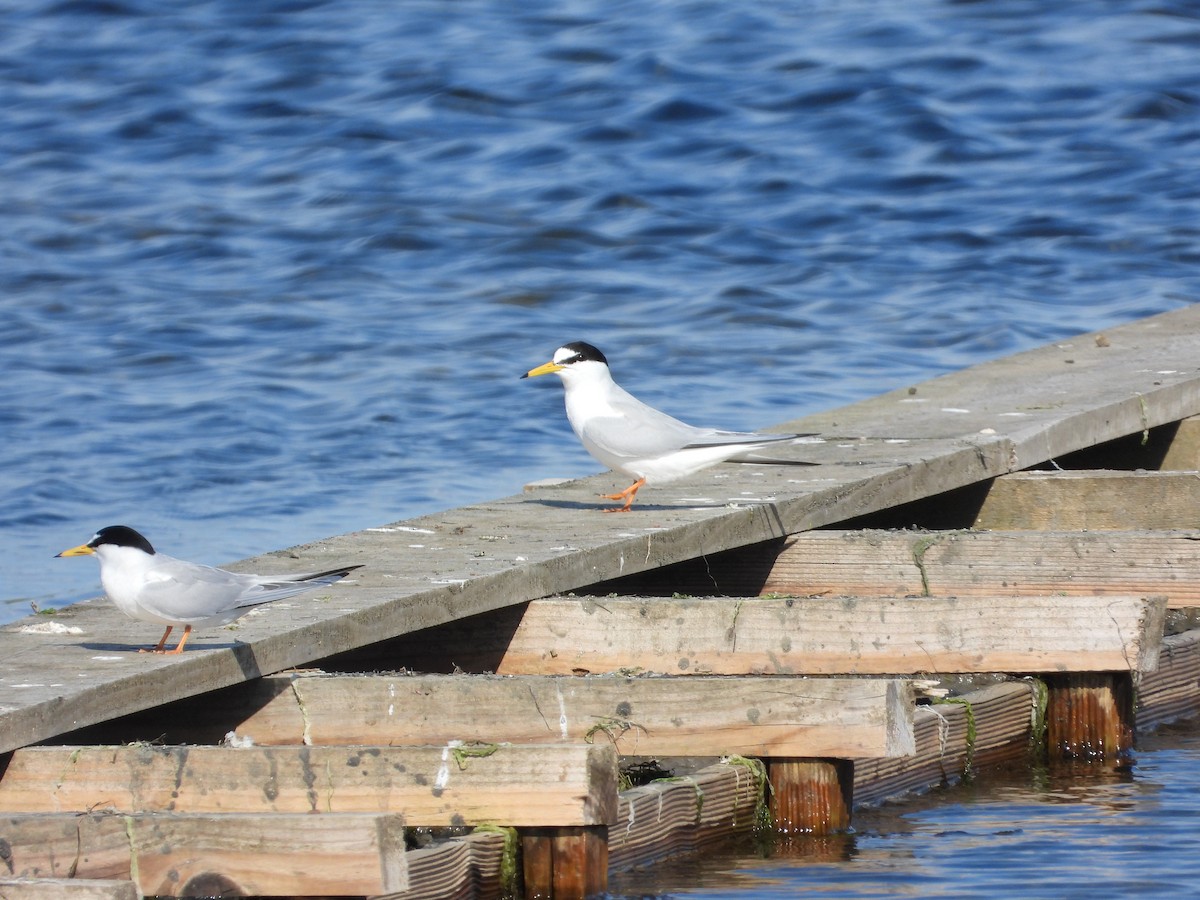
x=121, y=536
x=584, y=352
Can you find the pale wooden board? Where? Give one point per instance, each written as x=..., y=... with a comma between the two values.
x=1092, y=500
x=836, y=635
x=430, y=786
x=424, y=572
x=986, y=563
x=701, y=716
x=67, y=889
x=243, y=855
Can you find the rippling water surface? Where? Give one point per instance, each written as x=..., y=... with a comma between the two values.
x=270, y=270
x=1067, y=836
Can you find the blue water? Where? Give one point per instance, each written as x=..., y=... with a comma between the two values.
x=269, y=271
x=1037, y=835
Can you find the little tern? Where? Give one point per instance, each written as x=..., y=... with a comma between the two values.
x=153, y=587
x=626, y=435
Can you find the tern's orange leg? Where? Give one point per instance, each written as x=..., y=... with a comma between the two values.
x=627, y=495
x=158, y=648
x=187, y=630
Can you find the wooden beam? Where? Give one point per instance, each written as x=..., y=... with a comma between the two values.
x=834, y=636
x=68, y=889
x=1089, y=717
x=215, y=855
x=564, y=863
x=548, y=785
x=985, y=563
x=640, y=716
x=811, y=796
x=1091, y=500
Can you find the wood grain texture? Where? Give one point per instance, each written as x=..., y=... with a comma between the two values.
x=1092, y=500
x=643, y=716
x=836, y=635
x=575, y=784
x=68, y=889
x=987, y=563
x=236, y=855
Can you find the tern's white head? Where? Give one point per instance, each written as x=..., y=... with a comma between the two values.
x=575, y=362
x=113, y=541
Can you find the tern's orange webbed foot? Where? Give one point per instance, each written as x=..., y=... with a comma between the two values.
x=158, y=648
x=627, y=495
x=187, y=631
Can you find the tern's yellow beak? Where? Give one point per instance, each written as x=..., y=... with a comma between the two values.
x=81, y=550
x=544, y=369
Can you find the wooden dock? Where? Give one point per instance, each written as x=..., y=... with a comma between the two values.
x=493, y=667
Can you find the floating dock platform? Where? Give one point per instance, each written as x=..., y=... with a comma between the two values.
x=997, y=563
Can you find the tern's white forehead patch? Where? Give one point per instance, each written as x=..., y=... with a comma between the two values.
x=562, y=354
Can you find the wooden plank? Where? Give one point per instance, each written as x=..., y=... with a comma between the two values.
x=979, y=564
x=548, y=785
x=643, y=716
x=221, y=855
x=919, y=442
x=67, y=889
x=1091, y=500
x=831, y=635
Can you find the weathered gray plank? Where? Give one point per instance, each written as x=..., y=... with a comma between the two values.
x=984, y=563
x=448, y=785
x=903, y=446
x=1091, y=500
x=645, y=716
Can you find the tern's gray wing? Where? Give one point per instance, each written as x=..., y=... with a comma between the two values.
x=637, y=431
x=186, y=592
x=642, y=432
